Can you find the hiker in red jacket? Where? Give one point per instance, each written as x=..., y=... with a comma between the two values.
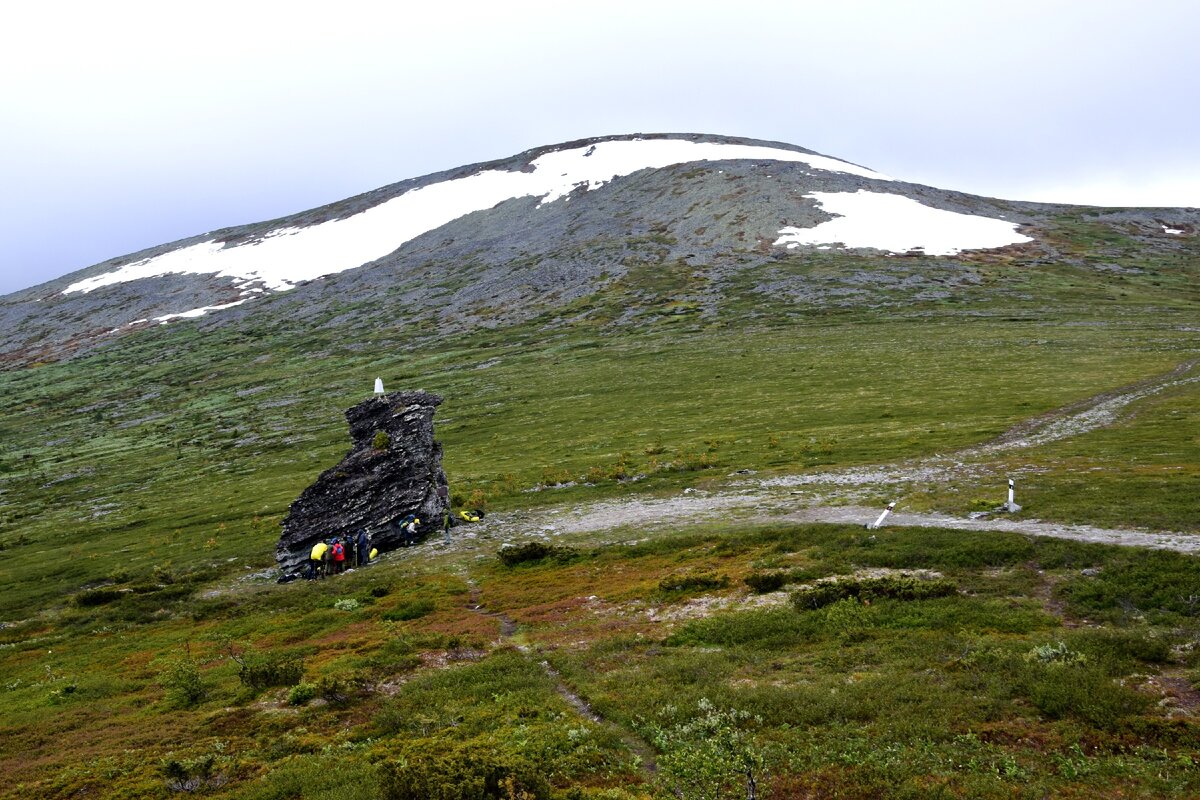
x=339, y=556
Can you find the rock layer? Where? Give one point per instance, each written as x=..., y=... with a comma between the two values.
x=394, y=468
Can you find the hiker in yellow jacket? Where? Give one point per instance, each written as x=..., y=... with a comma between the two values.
x=316, y=560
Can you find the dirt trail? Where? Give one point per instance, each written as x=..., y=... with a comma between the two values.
x=508, y=630
x=1085, y=415
x=1071, y=420
x=697, y=508
x=835, y=496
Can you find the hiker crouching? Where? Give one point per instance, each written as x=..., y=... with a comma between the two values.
x=406, y=527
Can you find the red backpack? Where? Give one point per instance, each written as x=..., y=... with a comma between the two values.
x=339, y=552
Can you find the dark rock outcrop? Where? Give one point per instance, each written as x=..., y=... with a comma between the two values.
x=394, y=468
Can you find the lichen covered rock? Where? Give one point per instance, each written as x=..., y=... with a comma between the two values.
x=394, y=468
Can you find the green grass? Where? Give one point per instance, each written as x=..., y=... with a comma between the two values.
x=100, y=497
x=142, y=487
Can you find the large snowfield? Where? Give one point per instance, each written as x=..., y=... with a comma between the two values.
x=899, y=224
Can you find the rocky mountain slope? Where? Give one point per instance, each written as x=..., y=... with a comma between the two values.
x=509, y=240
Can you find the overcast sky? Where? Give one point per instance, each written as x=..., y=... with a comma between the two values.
x=128, y=124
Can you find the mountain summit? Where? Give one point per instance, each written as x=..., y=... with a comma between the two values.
x=543, y=227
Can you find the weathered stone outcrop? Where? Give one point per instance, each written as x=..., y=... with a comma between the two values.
x=394, y=468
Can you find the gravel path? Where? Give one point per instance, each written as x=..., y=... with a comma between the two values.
x=696, y=508
x=806, y=497
x=1086, y=415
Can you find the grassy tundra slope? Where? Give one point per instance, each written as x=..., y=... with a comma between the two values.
x=145, y=653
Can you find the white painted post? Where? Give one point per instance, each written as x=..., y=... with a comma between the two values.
x=1010, y=492
x=379, y=387
x=878, y=522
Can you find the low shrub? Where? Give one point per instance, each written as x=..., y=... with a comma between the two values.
x=339, y=688
x=1059, y=682
x=690, y=461
x=402, y=652
x=1120, y=650
x=390, y=662
x=301, y=693
x=710, y=756
x=97, y=597
x=1178, y=732
x=216, y=608
x=336, y=774
x=930, y=549
x=511, y=555
x=765, y=582
x=757, y=629
x=1084, y=692
x=897, y=588
x=412, y=610
x=460, y=772
x=66, y=691
x=963, y=613
x=848, y=619
x=191, y=775
x=1067, y=554
x=693, y=582
x=143, y=609
x=180, y=677
x=1160, y=584
x=1057, y=653
x=263, y=670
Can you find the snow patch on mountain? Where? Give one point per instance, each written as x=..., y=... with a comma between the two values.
x=286, y=256
x=898, y=224
x=198, y=312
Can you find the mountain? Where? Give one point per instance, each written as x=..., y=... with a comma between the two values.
x=679, y=374
x=499, y=242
